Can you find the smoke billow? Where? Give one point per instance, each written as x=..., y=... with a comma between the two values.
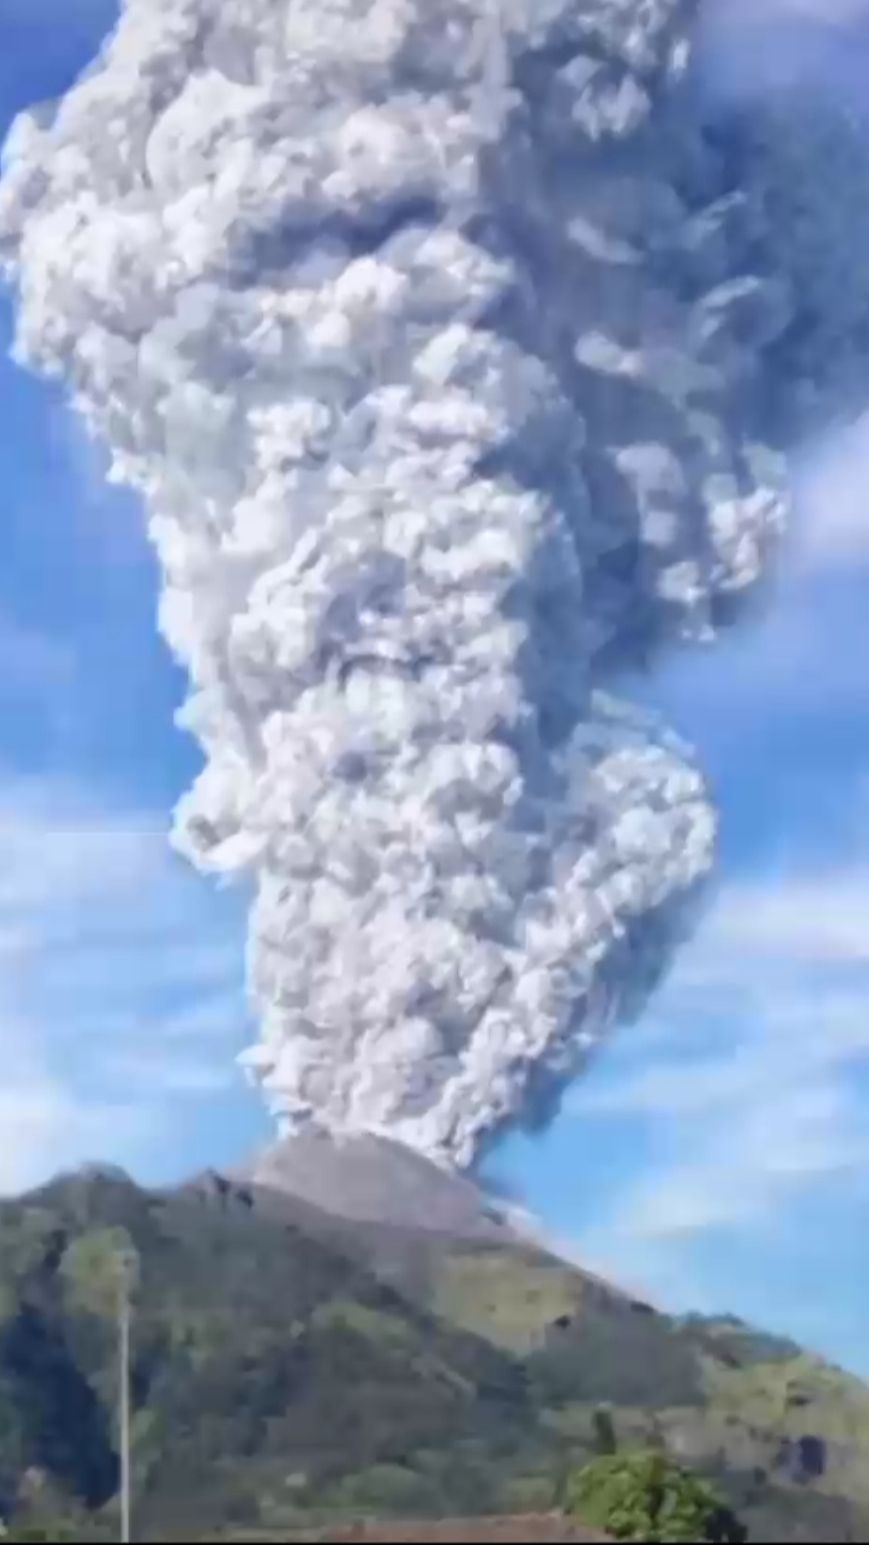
x=453, y=355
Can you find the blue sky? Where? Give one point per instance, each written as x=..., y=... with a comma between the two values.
x=717, y=1154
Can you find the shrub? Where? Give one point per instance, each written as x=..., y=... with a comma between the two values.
x=645, y=1496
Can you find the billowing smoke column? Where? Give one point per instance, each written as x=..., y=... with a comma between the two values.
x=449, y=352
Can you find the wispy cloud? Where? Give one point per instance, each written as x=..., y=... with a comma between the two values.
x=753, y=1086
x=120, y=982
x=72, y=13
x=833, y=507
x=834, y=13
x=41, y=678
x=35, y=658
x=796, y=921
x=46, y=1127
x=752, y=1160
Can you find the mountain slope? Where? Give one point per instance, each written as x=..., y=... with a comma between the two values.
x=292, y=1365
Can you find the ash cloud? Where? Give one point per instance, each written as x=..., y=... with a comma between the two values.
x=454, y=356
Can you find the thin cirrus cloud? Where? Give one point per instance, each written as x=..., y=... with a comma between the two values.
x=749, y=49
x=833, y=517
x=746, y=1173
x=733, y=24
x=757, y=1083
x=120, y=983
x=40, y=678
x=807, y=921
x=45, y=1132
x=39, y=660
x=834, y=13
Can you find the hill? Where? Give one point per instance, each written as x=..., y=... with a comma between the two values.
x=294, y=1366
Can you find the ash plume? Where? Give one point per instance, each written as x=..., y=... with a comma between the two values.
x=454, y=356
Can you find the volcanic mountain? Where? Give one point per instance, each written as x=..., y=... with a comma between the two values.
x=346, y=1330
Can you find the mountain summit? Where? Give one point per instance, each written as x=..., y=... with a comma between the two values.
x=368, y=1179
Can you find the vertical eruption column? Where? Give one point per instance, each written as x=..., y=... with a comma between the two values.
x=437, y=336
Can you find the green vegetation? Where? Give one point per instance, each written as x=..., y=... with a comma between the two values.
x=512, y=1303
x=99, y=1269
x=54, y=1530
x=644, y=1496
x=288, y=1369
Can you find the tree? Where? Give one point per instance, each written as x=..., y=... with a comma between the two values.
x=26, y=1237
x=645, y=1496
x=100, y=1271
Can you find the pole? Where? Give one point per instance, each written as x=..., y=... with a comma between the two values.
x=124, y=1402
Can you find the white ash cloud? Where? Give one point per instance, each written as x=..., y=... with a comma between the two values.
x=451, y=355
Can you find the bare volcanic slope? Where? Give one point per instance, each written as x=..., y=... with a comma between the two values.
x=368, y=1179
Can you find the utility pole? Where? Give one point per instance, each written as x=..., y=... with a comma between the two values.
x=101, y=1273
x=126, y=1279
